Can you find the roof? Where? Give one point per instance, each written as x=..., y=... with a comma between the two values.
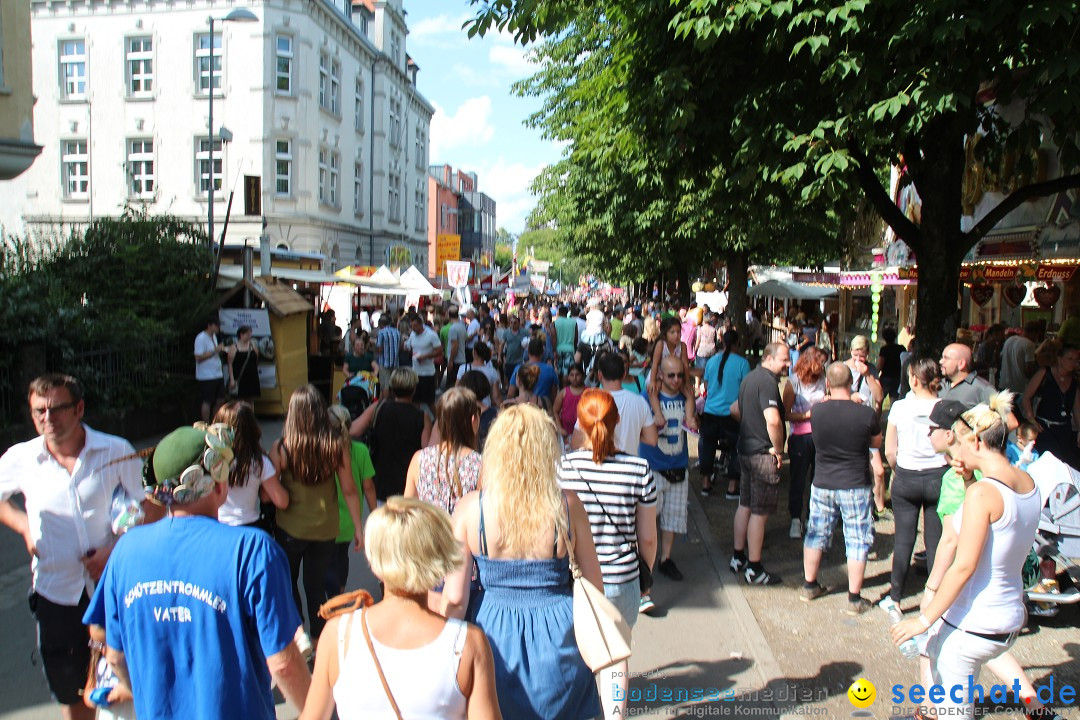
x=795, y=291
x=279, y=298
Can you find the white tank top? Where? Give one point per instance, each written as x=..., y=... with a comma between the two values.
x=992, y=601
x=677, y=352
x=423, y=680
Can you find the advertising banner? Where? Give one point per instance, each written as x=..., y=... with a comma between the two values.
x=538, y=282
x=457, y=273
x=447, y=248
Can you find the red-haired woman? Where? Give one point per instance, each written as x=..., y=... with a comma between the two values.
x=805, y=390
x=619, y=495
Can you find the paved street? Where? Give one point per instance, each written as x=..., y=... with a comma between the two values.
x=779, y=657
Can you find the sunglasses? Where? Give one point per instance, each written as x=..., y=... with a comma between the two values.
x=676, y=375
x=54, y=409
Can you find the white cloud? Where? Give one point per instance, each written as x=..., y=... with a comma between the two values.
x=439, y=31
x=469, y=126
x=512, y=60
x=508, y=184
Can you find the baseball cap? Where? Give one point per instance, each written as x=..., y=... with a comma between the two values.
x=944, y=414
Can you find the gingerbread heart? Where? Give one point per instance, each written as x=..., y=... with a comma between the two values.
x=1045, y=297
x=1014, y=294
x=981, y=293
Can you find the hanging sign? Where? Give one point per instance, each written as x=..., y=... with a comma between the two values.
x=538, y=282
x=457, y=273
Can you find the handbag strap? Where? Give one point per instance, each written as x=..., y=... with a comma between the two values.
x=247, y=356
x=631, y=543
x=378, y=667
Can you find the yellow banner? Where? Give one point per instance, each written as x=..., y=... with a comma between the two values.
x=447, y=247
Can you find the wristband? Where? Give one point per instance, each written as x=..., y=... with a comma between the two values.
x=925, y=623
x=931, y=589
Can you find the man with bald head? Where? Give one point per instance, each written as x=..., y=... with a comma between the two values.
x=845, y=433
x=959, y=381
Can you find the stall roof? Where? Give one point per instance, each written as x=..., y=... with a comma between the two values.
x=790, y=290
x=414, y=281
x=236, y=272
x=278, y=297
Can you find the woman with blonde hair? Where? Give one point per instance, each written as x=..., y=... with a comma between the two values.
x=619, y=494
x=311, y=451
x=371, y=656
x=520, y=529
x=978, y=608
x=441, y=473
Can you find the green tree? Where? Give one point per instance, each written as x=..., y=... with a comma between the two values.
x=823, y=96
x=504, y=247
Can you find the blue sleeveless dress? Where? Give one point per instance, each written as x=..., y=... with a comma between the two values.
x=526, y=609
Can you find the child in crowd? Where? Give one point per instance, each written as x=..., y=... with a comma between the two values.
x=1021, y=452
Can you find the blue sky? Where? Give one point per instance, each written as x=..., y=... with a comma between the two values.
x=477, y=125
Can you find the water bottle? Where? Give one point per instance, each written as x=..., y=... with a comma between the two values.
x=910, y=647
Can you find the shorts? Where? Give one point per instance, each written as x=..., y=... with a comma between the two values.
x=425, y=390
x=854, y=506
x=671, y=499
x=384, y=379
x=626, y=597
x=211, y=390
x=759, y=486
x=64, y=643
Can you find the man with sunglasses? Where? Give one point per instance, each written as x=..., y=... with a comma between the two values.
x=669, y=458
x=67, y=475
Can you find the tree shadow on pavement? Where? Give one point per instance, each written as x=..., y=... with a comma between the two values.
x=683, y=686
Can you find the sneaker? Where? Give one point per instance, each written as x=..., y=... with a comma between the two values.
x=706, y=487
x=795, y=532
x=808, y=594
x=858, y=607
x=887, y=604
x=732, y=494
x=737, y=564
x=668, y=569
x=761, y=577
x=646, y=605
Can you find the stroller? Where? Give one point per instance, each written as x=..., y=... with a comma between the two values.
x=1058, y=538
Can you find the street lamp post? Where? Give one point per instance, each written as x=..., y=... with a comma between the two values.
x=237, y=15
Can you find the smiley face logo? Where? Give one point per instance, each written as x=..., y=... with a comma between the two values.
x=862, y=693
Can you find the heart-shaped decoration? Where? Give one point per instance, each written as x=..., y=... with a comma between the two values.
x=982, y=293
x=1045, y=297
x=1014, y=294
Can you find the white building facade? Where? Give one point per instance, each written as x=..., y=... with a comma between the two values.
x=318, y=99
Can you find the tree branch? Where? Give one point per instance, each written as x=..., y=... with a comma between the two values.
x=1013, y=201
x=906, y=230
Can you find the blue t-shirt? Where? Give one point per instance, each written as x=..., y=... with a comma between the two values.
x=670, y=451
x=1014, y=454
x=721, y=395
x=197, y=607
x=547, y=380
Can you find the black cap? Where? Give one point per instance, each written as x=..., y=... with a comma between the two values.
x=945, y=414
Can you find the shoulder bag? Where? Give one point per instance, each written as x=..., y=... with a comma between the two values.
x=645, y=579
x=602, y=635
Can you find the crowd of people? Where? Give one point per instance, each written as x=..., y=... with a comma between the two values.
x=498, y=449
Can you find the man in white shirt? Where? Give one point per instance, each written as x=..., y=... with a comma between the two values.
x=67, y=476
x=425, y=346
x=208, y=372
x=472, y=331
x=635, y=424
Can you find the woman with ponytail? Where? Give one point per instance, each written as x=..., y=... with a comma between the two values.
x=978, y=609
x=724, y=372
x=619, y=494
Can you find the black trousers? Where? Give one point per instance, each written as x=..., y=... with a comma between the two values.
x=715, y=428
x=801, y=453
x=314, y=556
x=912, y=491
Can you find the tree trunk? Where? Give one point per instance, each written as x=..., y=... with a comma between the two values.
x=738, y=264
x=684, y=286
x=942, y=247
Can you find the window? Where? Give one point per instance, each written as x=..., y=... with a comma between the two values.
x=140, y=168
x=395, y=47
x=203, y=171
x=75, y=168
x=421, y=147
x=394, y=200
x=335, y=87
x=73, y=69
x=283, y=83
x=335, y=179
x=140, y=66
x=358, y=105
x=358, y=189
x=324, y=173
x=208, y=62
x=419, y=206
x=283, y=167
x=395, y=122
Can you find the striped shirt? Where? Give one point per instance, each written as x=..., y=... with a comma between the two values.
x=388, y=341
x=618, y=486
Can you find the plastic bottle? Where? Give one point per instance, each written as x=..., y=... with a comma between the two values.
x=910, y=647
